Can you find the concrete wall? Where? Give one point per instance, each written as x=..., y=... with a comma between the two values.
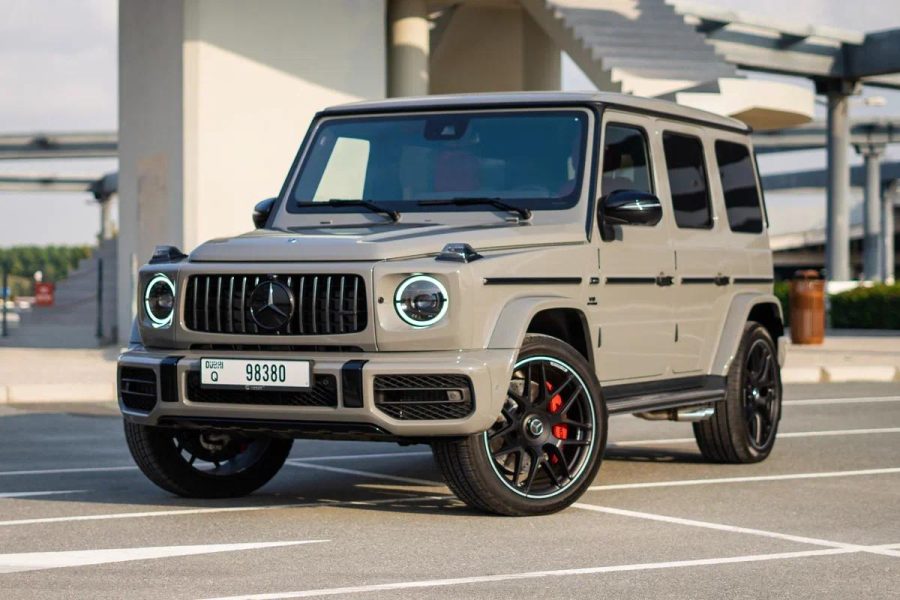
x=493, y=49
x=215, y=96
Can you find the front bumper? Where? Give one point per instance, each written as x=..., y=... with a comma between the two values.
x=488, y=371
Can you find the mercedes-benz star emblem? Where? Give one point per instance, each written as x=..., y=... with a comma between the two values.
x=271, y=304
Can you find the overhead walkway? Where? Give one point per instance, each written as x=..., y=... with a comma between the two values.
x=645, y=47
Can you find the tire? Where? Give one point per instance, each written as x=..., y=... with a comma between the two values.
x=237, y=465
x=744, y=426
x=545, y=448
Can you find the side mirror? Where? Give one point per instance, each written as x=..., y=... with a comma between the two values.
x=261, y=212
x=628, y=207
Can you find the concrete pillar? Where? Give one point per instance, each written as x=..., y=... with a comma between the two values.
x=887, y=231
x=408, y=50
x=214, y=99
x=837, y=243
x=493, y=47
x=872, y=209
x=106, y=223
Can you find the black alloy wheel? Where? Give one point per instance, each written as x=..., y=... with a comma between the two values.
x=761, y=398
x=205, y=464
x=547, y=443
x=547, y=429
x=745, y=424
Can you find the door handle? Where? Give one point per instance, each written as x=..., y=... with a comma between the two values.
x=722, y=279
x=664, y=280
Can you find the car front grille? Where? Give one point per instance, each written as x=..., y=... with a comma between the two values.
x=323, y=393
x=323, y=304
x=424, y=397
x=137, y=388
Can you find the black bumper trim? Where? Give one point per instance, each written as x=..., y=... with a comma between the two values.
x=168, y=378
x=352, y=383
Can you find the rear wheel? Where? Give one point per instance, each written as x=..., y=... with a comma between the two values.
x=545, y=448
x=745, y=424
x=205, y=464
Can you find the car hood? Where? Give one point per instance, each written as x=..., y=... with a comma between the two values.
x=380, y=242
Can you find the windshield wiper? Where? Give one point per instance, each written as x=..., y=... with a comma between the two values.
x=523, y=213
x=393, y=215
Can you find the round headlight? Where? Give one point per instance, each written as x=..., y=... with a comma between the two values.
x=159, y=300
x=421, y=301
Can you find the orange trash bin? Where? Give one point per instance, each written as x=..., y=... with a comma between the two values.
x=807, y=306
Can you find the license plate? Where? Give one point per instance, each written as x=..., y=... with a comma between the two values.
x=245, y=374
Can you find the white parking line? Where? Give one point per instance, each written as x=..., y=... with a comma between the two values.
x=789, y=434
x=370, y=474
x=48, y=493
x=223, y=509
x=73, y=470
x=434, y=583
x=37, y=561
x=735, y=529
x=788, y=476
x=356, y=456
x=818, y=401
x=133, y=468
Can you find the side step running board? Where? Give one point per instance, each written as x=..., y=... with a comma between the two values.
x=656, y=396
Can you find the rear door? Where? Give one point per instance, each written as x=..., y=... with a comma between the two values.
x=634, y=301
x=704, y=257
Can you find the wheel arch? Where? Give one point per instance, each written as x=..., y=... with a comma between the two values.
x=762, y=308
x=551, y=316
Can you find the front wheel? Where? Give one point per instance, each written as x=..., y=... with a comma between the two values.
x=205, y=464
x=745, y=424
x=546, y=446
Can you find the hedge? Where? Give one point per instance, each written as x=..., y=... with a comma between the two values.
x=876, y=307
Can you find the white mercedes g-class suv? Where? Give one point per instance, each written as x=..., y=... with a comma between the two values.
x=492, y=275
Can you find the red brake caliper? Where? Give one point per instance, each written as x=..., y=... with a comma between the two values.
x=561, y=430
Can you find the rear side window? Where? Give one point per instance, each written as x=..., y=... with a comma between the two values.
x=687, y=180
x=739, y=187
x=626, y=161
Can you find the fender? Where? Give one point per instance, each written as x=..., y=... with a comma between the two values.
x=730, y=338
x=509, y=330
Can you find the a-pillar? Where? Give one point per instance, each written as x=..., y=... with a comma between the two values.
x=408, y=48
x=872, y=209
x=837, y=242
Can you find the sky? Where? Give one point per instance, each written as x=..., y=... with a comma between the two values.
x=58, y=72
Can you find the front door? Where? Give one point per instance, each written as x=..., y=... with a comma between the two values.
x=634, y=308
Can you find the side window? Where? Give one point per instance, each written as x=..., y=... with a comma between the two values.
x=739, y=186
x=626, y=160
x=687, y=180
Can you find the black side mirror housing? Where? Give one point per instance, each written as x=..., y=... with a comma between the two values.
x=628, y=207
x=261, y=212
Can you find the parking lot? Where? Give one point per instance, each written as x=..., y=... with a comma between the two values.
x=818, y=519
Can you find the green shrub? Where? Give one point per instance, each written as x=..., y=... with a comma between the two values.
x=54, y=261
x=782, y=291
x=876, y=307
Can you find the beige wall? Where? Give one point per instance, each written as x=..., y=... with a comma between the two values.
x=493, y=49
x=214, y=98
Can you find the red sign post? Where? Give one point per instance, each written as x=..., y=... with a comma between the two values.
x=43, y=294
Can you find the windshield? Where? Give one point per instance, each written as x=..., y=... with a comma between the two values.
x=527, y=159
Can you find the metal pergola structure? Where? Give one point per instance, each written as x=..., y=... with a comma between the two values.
x=838, y=62
x=870, y=138
x=103, y=144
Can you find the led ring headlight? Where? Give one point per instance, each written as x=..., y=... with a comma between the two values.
x=421, y=301
x=159, y=300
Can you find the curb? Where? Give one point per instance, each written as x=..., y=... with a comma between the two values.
x=866, y=373
x=46, y=393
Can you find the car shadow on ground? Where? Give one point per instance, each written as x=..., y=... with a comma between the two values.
x=632, y=454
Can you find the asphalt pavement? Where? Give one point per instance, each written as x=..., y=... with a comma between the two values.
x=818, y=519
